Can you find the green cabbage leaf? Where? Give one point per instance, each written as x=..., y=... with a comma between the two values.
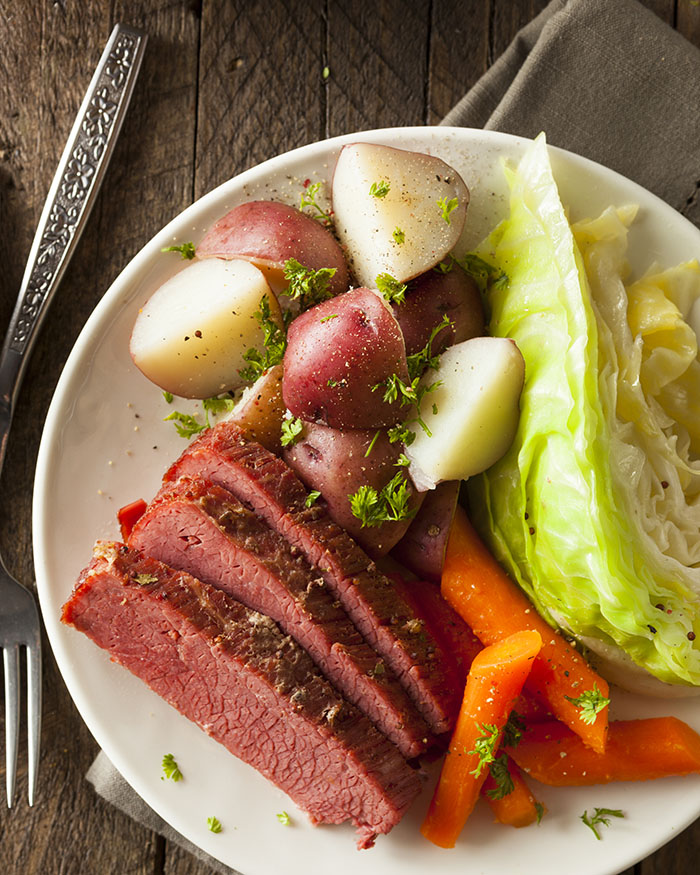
x=595, y=508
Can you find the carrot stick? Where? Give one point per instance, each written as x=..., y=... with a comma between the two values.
x=495, y=680
x=494, y=606
x=517, y=807
x=637, y=750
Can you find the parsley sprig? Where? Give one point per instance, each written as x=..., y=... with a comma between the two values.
x=274, y=344
x=291, y=431
x=600, y=817
x=308, y=199
x=500, y=774
x=391, y=503
x=484, y=273
x=306, y=285
x=214, y=824
x=590, y=703
x=447, y=207
x=380, y=189
x=391, y=289
x=171, y=769
x=187, y=425
x=186, y=250
x=485, y=747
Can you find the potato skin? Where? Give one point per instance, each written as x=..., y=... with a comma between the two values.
x=335, y=463
x=422, y=548
x=429, y=298
x=336, y=353
x=269, y=233
x=260, y=409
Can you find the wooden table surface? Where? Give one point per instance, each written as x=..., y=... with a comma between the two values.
x=224, y=86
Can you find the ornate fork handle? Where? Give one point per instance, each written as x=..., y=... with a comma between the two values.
x=68, y=204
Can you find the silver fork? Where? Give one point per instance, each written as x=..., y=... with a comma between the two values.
x=68, y=204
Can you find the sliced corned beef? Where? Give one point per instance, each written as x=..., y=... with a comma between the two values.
x=203, y=529
x=234, y=673
x=383, y=616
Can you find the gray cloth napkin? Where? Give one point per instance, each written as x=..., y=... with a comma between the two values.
x=608, y=80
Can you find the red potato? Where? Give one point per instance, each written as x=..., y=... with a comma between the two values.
x=434, y=295
x=337, y=464
x=268, y=234
x=396, y=211
x=422, y=548
x=337, y=352
x=260, y=410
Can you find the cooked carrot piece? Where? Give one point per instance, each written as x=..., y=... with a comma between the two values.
x=494, y=606
x=495, y=679
x=129, y=515
x=518, y=807
x=637, y=750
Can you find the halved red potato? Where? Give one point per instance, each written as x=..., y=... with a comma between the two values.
x=269, y=233
x=395, y=211
x=260, y=409
x=432, y=296
x=472, y=415
x=190, y=337
x=422, y=548
x=337, y=463
x=337, y=353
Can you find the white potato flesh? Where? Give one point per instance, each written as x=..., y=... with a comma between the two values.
x=191, y=335
x=477, y=411
x=403, y=232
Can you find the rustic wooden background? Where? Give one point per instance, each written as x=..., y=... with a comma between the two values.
x=225, y=85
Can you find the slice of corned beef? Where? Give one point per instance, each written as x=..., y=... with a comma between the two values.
x=252, y=688
x=203, y=529
x=267, y=485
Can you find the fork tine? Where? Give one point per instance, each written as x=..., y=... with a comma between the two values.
x=11, y=661
x=33, y=713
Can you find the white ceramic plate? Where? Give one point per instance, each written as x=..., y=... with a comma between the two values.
x=105, y=444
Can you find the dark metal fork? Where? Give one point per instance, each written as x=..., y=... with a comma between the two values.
x=68, y=204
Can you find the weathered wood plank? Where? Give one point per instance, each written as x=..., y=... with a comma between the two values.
x=59, y=47
x=261, y=90
x=378, y=57
x=459, y=52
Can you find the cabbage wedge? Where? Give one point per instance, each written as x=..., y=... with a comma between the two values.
x=595, y=508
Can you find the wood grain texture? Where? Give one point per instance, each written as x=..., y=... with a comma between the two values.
x=225, y=85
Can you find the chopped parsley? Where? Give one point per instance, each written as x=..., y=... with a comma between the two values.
x=291, y=431
x=539, y=809
x=274, y=344
x=329, y=317
x=170, y=768
x=513, y=730
x=484, y=273
x=168, y=397
x=590, y=703
x=188, y=425
x=372, y=443
x=485, y=747
x=284, y=818
x=214, y=824
x=186, y=250
x=498, y=770
x=325, y=73
x=445, y=266
x=379, y=189
x=447, y=207
x=398, y=235
x=392, y=290
x=406, y=393
x=600, y=817
x=390, y=504
x=420, y=361
x=306, y=285
x=402, y=462
x=308, y=199
x=312, y=497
